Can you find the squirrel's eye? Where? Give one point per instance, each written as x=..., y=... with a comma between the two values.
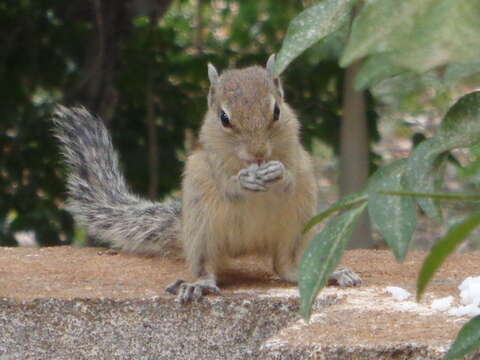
x=276, y=112
x=224, y=119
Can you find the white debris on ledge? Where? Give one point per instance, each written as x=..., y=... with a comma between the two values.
x=362, y=298
x=469, y=297
x=398, y=293
x=470, y=291
x=468, y=310
x=442, y=304
x=374, y=298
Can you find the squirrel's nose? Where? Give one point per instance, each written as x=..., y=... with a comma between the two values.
x=259, y=154
x=258, y=151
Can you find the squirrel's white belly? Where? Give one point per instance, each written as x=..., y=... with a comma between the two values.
x=258, y=223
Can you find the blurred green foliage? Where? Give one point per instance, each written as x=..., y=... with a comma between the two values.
x=48, y=47
x=419, y=43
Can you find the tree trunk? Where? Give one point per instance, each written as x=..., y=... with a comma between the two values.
x=112, y=21
x=354, y=149
x=96, y=90
x=157, y=9
x=151, y=113
x=152, y=142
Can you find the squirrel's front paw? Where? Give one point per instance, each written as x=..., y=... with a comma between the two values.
x=249, y=180
x=270, y=172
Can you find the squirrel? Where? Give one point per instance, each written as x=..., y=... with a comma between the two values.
x=249, y=187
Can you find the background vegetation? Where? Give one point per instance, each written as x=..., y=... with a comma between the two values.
x=388, y=38
x=141, y=66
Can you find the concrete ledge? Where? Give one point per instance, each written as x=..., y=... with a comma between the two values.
x=67, y=303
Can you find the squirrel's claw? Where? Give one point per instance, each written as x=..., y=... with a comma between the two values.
x=271, y=171
x=345, y=277
x=249, y=181
x=188, y=292
x=255, y=178
x=173, y=287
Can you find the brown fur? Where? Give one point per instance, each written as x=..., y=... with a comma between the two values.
x=220, y=219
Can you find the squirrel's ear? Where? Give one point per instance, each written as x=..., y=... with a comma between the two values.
x=212, y=74
x=213, y=77
x=271, y=73
x=271, y=65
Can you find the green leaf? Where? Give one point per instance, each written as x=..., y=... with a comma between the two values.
x=310, y=26
x=380, y=25
x=345, y=203
x=468, y=340
x=375, y=69
x=446, y=33
x=457, y=72
x=141, y=21
x=423, y=34
x=420, y=174
x=395, y=217
x=436, y=195
x=330, y=47
x=461, y=125
x=443, y=248
x=459, y=128
x=323, y=255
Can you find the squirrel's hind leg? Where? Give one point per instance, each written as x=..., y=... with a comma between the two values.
x=344, y=277
x=286, y=262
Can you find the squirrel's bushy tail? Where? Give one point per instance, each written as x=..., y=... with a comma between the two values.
x=99, y=198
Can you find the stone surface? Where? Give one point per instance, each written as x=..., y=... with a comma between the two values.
x=69, y=303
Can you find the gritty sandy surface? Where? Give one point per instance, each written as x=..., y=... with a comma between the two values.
x=365, y=317
x=67, y=272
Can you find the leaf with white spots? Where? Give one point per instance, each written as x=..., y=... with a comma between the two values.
x=447, y=33
x=323, y=255
x=420, y=34
x=459, y=128
x=381, y=25
x=394, y=217
x=310, y=26
x=437, y=195
x=457, y=72
x=420, y=175
x=375, y=69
